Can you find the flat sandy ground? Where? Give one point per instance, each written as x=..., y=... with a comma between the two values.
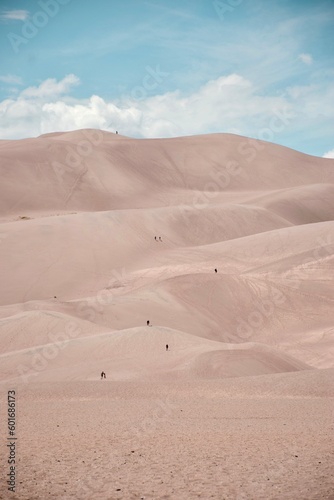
x=255, y=438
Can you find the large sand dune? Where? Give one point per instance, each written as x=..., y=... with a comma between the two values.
x=82, y=273
x=81, y=209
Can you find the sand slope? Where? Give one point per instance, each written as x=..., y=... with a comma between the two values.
x=79, y=214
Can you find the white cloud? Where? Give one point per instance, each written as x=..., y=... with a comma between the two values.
x=329, y=154
x=11, y=79
x=218, y=105
x=228, y=103
x=14, y=15
x=51, y=88
x=306, y=58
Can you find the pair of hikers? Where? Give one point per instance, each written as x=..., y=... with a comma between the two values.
x=156, y=239
x=103, y=375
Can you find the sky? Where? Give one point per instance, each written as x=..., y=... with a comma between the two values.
x=166, y=68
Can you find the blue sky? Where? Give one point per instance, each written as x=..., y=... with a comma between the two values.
x=161, y=68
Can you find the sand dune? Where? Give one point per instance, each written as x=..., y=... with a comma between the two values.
x=135, y=354
x=249, y=369
x=94, y=171
x=301, y=205
x=79, y=244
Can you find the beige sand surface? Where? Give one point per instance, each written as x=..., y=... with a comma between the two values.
x=241, y=406
x=266, y=437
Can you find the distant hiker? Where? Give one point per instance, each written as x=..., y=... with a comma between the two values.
x=103, y=375
x=160, y=238
x=148, y=322
x=166, y=347
x=155, y=238
x=216, y=271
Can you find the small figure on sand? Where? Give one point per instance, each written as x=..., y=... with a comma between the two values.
x=148, y=322
x=216, y=270
x=155, y=238
x=160, y=238
x=166, y=347
x=103, y=375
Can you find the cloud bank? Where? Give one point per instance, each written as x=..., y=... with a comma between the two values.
x=230, y=103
